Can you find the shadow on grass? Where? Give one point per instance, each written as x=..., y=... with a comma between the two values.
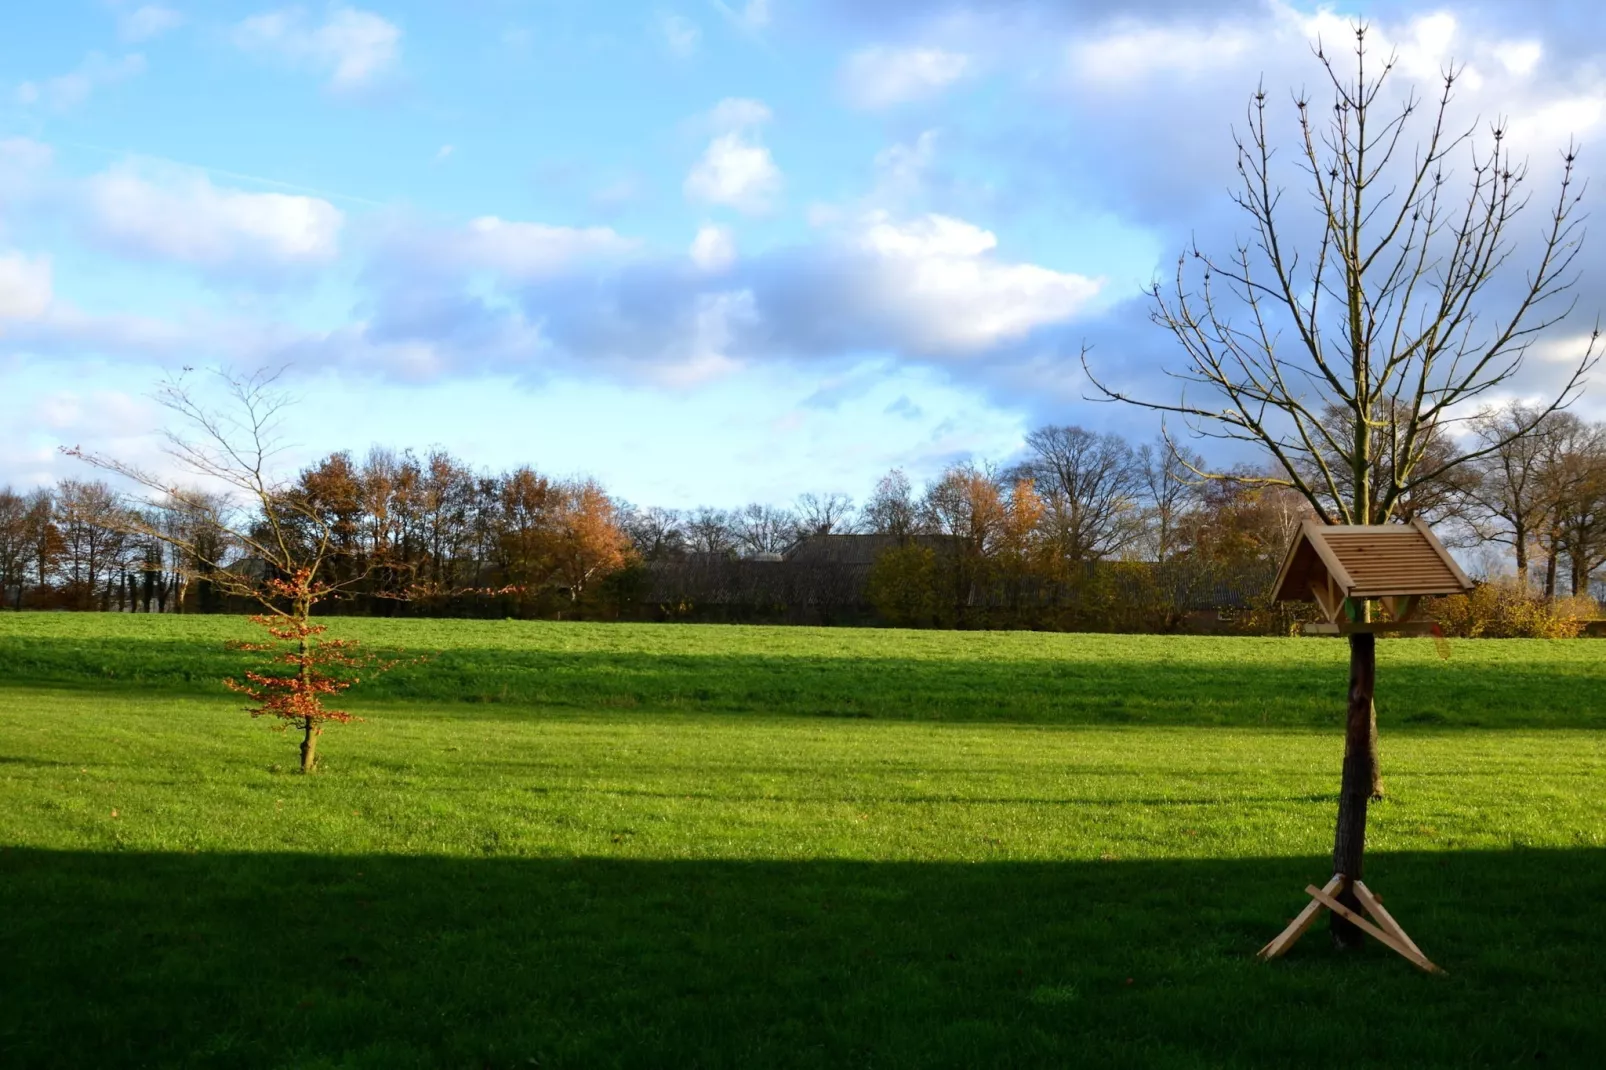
x=1424, y=695
x=386, y=961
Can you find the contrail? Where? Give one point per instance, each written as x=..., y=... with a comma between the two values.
x=220, y=172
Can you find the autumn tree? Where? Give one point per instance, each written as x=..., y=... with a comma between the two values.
x=1019, y=550
x=588, y=540
x=1396, y=303
x=259, y=537
x=966, y=505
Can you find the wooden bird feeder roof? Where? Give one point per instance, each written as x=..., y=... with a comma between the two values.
x=1330, y=564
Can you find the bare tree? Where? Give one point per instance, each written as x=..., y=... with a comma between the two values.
x=1170, y=490
x=823, y=514
x=1090, y=485
x=892, y=509
x=1430, y=500
x=14, y=546
x=94, y=528
x=763, y=529
x=1508, y=500
x=655, y=533
x=1575, y=478
x=42, y=535
x=1388, y=315
x=710, y=531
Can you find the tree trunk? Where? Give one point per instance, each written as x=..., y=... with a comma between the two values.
x=1377, y=761
x=1355, y=790
x=309, y=746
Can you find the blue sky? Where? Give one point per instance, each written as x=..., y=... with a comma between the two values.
x=707, y=252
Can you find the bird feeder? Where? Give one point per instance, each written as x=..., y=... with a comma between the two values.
x=1342, y=567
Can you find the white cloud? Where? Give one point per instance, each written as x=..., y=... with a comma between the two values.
x=756, y=14
x=934, y=279
x=23, y=163
x=681, y=35
x=714, y=248
x=738, y=113
x=101, y=412
x=1519, y=57
x=881, y=77
x=530, y=250
x=148, y=21
x=25, y=287
x=736, y=169
x=73, y=88
x=185, y=218
x=444, y=151
x=354, y=48
x=737, y=173
x=752, y=16
x=932, y=235
x=717, y=319
x=901, y=168
x=1134, y=52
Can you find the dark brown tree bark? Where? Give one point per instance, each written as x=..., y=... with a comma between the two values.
x=1355, y=789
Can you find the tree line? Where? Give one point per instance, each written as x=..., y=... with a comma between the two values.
x=430, y=533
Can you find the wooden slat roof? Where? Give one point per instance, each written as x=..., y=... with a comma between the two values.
x=1369, y=561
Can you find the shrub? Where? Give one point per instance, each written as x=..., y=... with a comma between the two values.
x=903, y=586
x=1501, y=609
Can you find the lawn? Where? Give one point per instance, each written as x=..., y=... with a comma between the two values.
x=579, y=845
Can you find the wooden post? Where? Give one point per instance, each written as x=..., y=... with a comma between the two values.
x=1355, y=788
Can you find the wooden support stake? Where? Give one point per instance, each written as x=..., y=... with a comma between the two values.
x=1416, y=958
x=1374, y=907
x=1302, y=922
x=1387, y=931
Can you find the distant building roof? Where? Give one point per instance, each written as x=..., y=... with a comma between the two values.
x=856, y=549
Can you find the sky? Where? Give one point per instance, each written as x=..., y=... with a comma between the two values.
x=706, y=251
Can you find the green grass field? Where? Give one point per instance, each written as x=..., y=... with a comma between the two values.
x=584, y=845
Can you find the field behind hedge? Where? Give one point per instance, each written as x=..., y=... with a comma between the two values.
x=571, y=844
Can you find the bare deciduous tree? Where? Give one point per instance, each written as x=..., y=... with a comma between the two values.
x=1507, y=499
x=1170, y=489
x=823, y=514
x=1090, y=485
x=656, y=533
x=892, y=509
x=763, y=529
x=1575, y=481
x=710, y=531
x=1388, y=314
